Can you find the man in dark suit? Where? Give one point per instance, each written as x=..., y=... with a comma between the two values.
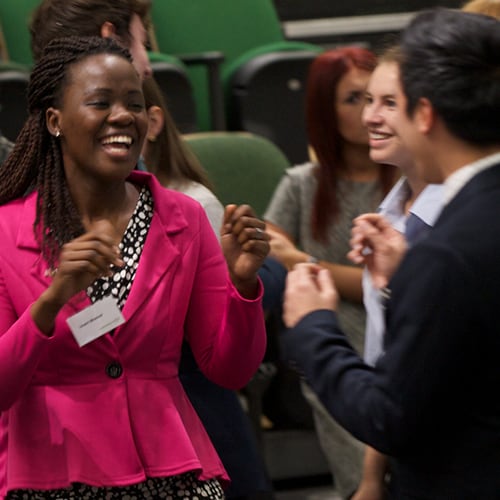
x=431, y=402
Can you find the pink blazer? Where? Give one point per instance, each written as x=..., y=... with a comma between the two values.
x=114, y=412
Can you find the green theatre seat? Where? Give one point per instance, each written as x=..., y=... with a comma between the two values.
x=243, y=31
x=15, y=16
x=171, y=75
x=243, y=167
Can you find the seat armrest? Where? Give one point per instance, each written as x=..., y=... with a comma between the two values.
x=212, y=61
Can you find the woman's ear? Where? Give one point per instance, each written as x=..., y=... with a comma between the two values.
x=53, y=121
x=156, y=122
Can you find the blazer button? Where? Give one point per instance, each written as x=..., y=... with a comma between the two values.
x=114, y=369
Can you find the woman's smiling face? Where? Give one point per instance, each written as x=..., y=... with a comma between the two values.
x=102, y=118
x=383, y=114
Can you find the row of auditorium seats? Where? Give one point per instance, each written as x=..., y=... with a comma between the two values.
x=222, y=65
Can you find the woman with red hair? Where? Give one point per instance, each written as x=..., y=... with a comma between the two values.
x=310, y=214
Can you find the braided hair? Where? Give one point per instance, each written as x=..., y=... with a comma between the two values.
x=36, y=163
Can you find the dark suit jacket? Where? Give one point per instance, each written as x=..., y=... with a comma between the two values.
x=433, y=400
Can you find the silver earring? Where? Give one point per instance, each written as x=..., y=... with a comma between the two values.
x=58, y=134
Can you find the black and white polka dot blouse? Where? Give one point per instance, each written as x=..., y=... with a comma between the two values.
x=131, y=247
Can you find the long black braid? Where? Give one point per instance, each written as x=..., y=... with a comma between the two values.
x=36, y=160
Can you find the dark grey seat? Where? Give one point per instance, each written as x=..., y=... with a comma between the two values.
x=13, y=100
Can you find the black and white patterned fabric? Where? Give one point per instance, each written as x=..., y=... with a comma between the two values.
x=184, y=486
x=131, y=247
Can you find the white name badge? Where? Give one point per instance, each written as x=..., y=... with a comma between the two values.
x=96, y=320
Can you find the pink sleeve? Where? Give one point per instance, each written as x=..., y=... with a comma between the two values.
x=226, y=332
x=21, y=347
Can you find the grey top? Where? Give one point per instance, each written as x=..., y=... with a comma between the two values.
x=213, y=207
x=290, y=209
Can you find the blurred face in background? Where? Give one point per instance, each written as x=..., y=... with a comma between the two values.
x=383, y=113
x=349, y=103
x=136, y=44
x=138, y=47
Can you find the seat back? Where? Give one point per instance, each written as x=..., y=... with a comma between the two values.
x=243, y=167
x=171, y=76
x=13, y=99
x=267, y=97
x=15, y=16
x=232, y=28
x=214, y=25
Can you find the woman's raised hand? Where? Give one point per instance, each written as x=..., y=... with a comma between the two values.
x=81, y=262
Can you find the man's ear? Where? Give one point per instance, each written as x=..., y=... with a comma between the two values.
x=425, y=115
x=108, y=30
x=156, y=121
x=53, y=121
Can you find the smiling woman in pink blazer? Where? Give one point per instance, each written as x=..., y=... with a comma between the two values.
x=83, y=408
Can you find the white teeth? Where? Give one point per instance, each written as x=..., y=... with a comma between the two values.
x=120, y=139
x=378, y=136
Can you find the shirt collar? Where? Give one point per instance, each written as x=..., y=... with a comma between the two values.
x=458, y=179
x=392, y=206
x=429, y=203
x=427, y=206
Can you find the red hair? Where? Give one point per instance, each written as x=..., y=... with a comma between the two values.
x=324, y=75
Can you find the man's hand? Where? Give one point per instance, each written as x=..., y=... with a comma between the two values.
x=308, y=288
x=375, y=243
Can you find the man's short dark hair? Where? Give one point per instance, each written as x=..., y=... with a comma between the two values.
x=452, y=58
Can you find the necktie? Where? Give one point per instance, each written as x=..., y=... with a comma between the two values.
x=415, y=229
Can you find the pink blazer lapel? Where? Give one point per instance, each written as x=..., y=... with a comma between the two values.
x=159, y=253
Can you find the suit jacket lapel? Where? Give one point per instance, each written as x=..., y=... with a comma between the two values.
x=484, y=181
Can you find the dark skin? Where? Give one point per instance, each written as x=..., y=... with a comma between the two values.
x=82, y=261
x=245, y=245
x=90, y=256
x=101, y=126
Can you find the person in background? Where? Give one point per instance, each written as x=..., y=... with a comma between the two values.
x=310, y=214
x=176, y=167
x=126, y=21
x=429, y=402
x=411, y=208
x=5, y=147
x=166, y=155
x=91, y=340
